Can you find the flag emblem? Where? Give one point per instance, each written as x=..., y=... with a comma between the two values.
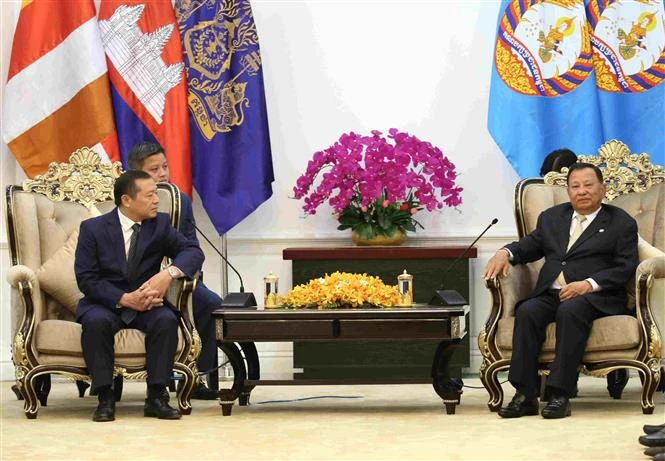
x=628, y=42
x=217, y=98
x=137, y=57
x=542, y=47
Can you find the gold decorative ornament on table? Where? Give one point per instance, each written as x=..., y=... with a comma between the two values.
x=405, y=287
x=271, y=291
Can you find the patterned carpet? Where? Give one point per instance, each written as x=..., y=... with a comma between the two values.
x=386, y=422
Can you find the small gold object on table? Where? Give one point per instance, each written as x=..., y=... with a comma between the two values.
x=405, y=284
x=270, y=283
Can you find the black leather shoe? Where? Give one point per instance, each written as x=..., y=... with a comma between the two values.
x=202, y=392
x=105, y=411
x=653, y=451
x=616, y=381
x=558, y=407
x=657, y=439
x=158, y=407
x=650, y=429
x=520, y=406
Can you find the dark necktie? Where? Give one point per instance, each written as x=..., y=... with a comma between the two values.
x=132, y=248
x=127, y=315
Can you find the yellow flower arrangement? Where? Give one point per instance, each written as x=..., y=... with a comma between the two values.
x=342, y=290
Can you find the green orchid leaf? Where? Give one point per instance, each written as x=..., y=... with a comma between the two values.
x=384, y=222
x=365, y=230
x=409, y=226
x=348, y=220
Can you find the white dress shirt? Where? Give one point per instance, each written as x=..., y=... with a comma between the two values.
x=127, y=230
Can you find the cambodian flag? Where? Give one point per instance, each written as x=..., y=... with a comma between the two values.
x=231, y=157
x=148, y=84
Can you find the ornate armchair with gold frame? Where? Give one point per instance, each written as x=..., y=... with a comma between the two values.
x=621, y=341
x=43, y=217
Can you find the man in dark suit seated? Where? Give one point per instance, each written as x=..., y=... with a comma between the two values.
x=118, y=270
x=149, y=157
x=555, y=161
x=590, y=252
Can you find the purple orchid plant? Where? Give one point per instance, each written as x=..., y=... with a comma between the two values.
x=376, y=186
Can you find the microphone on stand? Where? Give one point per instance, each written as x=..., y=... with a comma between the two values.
x=240, y=299
x=451, y=297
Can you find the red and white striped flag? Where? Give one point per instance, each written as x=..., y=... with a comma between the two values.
x=57, y=97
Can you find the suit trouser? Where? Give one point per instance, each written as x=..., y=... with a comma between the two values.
x=204, y=302
x=573, y=318
x=100, y=325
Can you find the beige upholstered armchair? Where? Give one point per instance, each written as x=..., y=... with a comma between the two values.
x=623, y=341
x=43, y=218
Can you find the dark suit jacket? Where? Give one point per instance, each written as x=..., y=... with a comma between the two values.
x=606, y=252
x=186, y=226
x=101, y=265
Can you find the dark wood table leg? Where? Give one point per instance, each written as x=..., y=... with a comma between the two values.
x=248, y=350
x=228, y=396
x=213, y=376
x=449, y=389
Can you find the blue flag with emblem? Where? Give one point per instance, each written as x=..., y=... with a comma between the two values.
x=543, y=92
x=231, y=158
x=628, y=39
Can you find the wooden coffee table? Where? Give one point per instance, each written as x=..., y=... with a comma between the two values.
x=238, y=329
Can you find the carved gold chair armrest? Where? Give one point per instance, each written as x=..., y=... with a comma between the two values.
x=179, y=295
x=650, y=296
x=25, y=285
x=27, y=310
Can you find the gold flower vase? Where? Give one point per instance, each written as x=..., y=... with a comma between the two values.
x=397, y=238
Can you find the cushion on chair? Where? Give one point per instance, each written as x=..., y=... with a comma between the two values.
x=614, y=332
x=60, y=337
x=56, y=276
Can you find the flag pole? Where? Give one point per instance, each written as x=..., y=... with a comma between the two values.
x=225, y=269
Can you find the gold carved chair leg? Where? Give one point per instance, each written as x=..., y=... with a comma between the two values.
x=651, y=378
x=491, y=383
x=185, y=391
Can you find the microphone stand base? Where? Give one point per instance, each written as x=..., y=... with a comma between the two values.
x=447, y=298
x=239, y=300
